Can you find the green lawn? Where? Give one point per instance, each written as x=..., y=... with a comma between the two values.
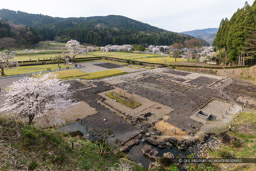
x=104, y=74
x=124, y=55
x=154, y=58
x=32, y=69
x=73, y=74
x=123, y=100
x=41, y=56
x=162, y=60
x=35, y=56
x=51, y=54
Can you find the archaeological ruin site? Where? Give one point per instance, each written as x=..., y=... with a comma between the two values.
x=149, y=112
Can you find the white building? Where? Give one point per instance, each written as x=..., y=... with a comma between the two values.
x=109, y=48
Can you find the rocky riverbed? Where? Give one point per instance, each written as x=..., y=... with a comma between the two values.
x=147, y=150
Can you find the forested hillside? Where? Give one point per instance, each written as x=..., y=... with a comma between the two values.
x=236, y=38
x=16, y=35
x=95, y=30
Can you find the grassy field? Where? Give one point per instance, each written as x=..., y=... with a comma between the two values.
x=127, y=102
x=44, y=50
x=73, y=74
x=35, y=56
x=42, y=56
x=243, y=129
x=49, y=54
x=124, y=55
x=162, y=60
x=104, y=74
x=153, y=58
x=31, y=69
x=25, y=147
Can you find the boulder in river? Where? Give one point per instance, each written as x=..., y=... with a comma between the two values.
x=169, y=145
x=149, y=152
x=152, y=141
x=162, y=145
x=184, y=144
x=168, y=155
x=147, y=134
x=174, y=141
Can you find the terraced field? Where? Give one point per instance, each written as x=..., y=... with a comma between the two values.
x=32, y=69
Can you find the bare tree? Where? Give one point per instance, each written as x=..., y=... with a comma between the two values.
x=7, y=42
x=194, y=45
x=176, y=47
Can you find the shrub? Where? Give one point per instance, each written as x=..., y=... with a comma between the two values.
x=29, y=138
x=236, y=142
x=51, y=138
x=225, y=154
x=122, y=166
x=59, y=158
x=33, y=165
x=30, y=134
x=164, y=161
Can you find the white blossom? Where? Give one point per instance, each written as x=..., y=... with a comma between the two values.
x=108, y=48
x=122, y=166
x=90, y=49
x=74, y=48
x=35, y=96
x=6, y=56
x=4, y=60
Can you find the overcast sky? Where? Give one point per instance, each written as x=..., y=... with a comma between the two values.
x=172, y=15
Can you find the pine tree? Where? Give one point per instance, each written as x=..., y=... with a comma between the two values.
x=236, y=36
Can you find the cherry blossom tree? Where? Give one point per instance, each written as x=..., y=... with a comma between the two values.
x=74, y=49
x=35, y=96
x=4, y=60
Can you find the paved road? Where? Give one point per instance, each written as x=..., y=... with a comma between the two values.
x=3, y=85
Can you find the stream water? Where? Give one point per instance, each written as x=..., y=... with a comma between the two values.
x=135, y=152
x=137, y=156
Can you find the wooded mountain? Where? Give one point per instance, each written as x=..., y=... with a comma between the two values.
x=110, y=29
x=208, y=34
x=236, y=38
x=16, y=35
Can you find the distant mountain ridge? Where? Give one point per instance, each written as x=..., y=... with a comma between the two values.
x=208, y=34
x=100, y=30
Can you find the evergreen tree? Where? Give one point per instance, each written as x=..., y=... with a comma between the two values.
x=235, y=36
